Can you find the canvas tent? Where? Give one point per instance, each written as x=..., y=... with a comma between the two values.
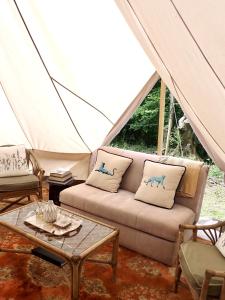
x=185, y=41
x=72, y=72
x=69, y=70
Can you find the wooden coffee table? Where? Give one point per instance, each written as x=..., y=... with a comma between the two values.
x=74, y=250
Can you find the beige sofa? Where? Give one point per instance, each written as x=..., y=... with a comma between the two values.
x=145, y=228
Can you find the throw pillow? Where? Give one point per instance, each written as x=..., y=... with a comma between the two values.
x=220, y=244
x=189, y=182
x=159, y=183
x=13, y=161
x=108, y=171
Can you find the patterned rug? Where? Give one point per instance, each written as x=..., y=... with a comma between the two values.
x=26, y=277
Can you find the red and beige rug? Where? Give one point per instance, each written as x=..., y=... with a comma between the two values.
x=25, y=277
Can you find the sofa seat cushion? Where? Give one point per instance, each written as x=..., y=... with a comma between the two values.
x=124, y=209
x=16, y=183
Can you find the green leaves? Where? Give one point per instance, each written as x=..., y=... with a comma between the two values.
x=141, y=131
x=143, y=126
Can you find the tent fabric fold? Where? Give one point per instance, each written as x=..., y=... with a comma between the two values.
x=187, y=48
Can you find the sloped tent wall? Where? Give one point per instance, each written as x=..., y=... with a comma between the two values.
x=185, y=40
x=68, y=71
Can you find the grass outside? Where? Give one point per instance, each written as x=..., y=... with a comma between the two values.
x=213, y=206
x=137, y=147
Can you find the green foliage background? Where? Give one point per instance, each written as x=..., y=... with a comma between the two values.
x=141, y=131
x=142, y=128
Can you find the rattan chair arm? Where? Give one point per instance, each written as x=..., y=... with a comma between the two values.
x=40, y=174
x=216, y=273
x=38, y=171
x=208, y=230
x=208, y=275
x=183, y=227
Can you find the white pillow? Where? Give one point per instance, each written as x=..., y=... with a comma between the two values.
x=13, y=161
x=108, y=171
x=220, y=244
x=159, y=183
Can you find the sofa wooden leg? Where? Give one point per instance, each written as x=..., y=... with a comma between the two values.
x=177, y=277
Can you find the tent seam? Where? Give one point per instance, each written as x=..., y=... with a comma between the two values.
x=172, y=79
x=82, y=100
x=46, y=69
x=191, y=34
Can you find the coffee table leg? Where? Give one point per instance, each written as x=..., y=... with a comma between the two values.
x=75, y=284
x=115, y=255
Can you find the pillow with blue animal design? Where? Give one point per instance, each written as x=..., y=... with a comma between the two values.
x=159, y=183
x=108, y=171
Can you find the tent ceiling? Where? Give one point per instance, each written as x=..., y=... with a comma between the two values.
x=69, y=70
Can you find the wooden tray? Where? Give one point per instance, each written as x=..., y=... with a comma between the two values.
x=38, y=222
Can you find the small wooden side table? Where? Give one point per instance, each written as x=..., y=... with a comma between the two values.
x=55, y=188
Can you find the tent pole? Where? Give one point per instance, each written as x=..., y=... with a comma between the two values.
x=170, y=123
x=161, y=117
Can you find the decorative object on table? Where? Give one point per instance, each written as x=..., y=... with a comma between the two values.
x=60, y=175
x=63, y=225
x=63, y=180
x=62, y=221
x=68, y=181
x=60, y=172
x=49, y=212
x=40, y=208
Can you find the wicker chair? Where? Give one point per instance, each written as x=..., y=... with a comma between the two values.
x=23, y=186
x=201, y=263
